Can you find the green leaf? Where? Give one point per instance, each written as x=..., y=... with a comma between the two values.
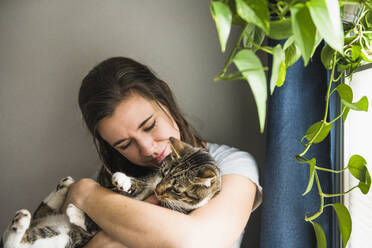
x=365, y=186
x=281, y=29
x=361, y=105
x=326, y=57
x=344, y=221
x=318, y=39
x=304, y=30
x=346, y=95
x=278, y=68
x=324, y=128
x=345, y=92
x=349, y=39
x=254, y=11
x=312, y=164
x=254, y=34
x=320, y=236
x=368, y=18
x=236, y=20
x=326, y=17
x=364, y=55
x=357, y=167
x=348, y=2
x=368, y=4
x=292, y=52
x=247, y=60
x=248, y=35
x=222, y=16
x=355, y=52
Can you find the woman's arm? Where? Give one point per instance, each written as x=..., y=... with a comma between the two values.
x=140, y=224
x=101, y=239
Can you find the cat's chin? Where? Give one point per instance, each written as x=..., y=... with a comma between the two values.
x=183, y=206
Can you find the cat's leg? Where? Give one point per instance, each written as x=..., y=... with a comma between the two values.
x=79, y=237
x=16, y=229
x=76, y=216
x=138, y=188
x=54, y=201
x=79, y=233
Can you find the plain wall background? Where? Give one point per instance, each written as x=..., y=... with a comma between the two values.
x=47, y=47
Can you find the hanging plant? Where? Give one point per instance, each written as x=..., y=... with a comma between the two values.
x=301, y=25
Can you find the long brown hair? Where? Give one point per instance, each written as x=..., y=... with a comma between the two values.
x=104, y=87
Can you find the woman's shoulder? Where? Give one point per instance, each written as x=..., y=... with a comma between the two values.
x=224, y=153
x=233, y=161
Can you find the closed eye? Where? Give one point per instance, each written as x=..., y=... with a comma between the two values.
x=125, y=146
x=147, y=129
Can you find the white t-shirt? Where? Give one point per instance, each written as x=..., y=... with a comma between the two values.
x=233, y=161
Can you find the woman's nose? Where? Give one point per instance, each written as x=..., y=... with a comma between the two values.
x=146, y=146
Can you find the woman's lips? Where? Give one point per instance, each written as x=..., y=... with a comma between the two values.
x=161, y=157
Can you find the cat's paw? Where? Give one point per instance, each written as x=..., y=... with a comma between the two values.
x=76, y=216
x=121, y=181
x=65, y=183
x=56, y=198
x=21, y=221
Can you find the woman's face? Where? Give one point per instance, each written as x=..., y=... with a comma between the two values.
x=139, y=130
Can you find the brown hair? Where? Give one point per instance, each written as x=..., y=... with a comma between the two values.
x=104, y=87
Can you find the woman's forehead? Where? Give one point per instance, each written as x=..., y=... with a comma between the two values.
x=129, y=114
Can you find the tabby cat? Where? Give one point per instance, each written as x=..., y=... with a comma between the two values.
x=187, y=179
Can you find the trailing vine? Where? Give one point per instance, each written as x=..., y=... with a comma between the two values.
x=301, y=25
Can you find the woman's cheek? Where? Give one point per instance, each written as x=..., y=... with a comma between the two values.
x=129, y=154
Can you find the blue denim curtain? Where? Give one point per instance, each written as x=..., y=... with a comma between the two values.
x=292, y=109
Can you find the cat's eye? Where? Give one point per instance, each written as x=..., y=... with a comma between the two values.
x=176, y=191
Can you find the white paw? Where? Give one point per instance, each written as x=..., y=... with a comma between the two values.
x=65, y=182
x=76, y=216
x=121, y=181
x=21, y=221
x=56, y=198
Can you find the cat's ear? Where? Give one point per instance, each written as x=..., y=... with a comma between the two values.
x=206, y=176
x=179, y=148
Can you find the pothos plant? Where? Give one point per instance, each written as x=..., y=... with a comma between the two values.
x=301, y=25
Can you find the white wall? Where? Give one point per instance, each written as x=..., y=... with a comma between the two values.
x=48, y=46
x=358, y=141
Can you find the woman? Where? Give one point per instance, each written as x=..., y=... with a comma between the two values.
x=131, y=114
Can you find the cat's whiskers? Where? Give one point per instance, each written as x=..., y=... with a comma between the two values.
x=172, y=204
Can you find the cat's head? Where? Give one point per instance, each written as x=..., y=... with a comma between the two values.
x=190, y=177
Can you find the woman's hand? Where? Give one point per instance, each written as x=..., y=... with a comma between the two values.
x=79, y=192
